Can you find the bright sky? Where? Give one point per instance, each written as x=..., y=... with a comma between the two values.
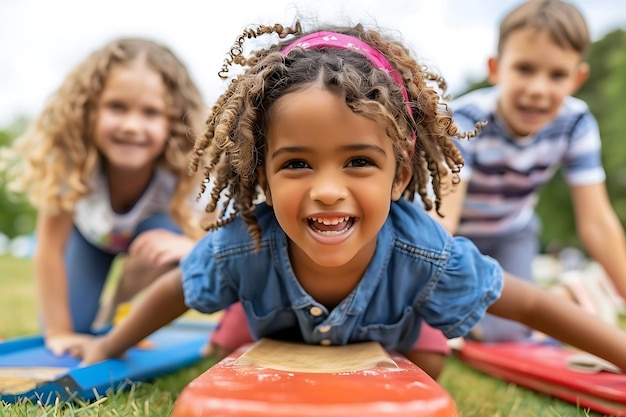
x=42, y=40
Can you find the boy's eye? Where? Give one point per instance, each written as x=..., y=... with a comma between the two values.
x=525, y=69
x=359, y=162
x=558, y=75
x=295, y=164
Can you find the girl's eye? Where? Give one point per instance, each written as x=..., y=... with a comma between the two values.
x=152, y=112
x=295, y=164
x=115, y=105
x=360, y=162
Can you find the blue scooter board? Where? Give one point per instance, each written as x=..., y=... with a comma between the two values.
x=28, y=371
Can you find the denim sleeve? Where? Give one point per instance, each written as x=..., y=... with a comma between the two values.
x=206, y=289
x=469, y=283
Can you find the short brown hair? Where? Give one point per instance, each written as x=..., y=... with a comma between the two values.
x=562, y=20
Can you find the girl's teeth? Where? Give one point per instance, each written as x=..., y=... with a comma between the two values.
x=330, y=221
x=331, y=226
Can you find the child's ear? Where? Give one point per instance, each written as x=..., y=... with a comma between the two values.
x=403, y=177
x=492, y=67
x=260, y=174
x=582, y=73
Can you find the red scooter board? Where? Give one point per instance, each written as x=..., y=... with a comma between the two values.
x=544, y=368
x=240, y=387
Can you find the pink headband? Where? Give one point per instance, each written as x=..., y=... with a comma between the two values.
x=338, y=40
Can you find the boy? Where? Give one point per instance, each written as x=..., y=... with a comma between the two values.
x=534, y=126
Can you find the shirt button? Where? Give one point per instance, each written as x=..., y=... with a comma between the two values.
x=316, y=311
x=325, y=342
x=324, y=329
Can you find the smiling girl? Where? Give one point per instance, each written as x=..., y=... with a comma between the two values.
x=104, y=163
x=338, y=130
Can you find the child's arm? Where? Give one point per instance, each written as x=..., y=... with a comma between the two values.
x=451, y=207
x=560, y=318
x=601, y=231
x=160, y=247
x=163, y=302
x=51, y=278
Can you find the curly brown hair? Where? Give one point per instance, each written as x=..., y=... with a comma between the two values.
x=58, y=156
x=232, y=146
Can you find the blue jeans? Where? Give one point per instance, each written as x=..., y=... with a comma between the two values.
x=88, y=268
x=515, y=253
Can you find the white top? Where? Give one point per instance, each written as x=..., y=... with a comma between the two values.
x=110, y=231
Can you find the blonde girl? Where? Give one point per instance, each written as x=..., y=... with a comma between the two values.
x=105, y=164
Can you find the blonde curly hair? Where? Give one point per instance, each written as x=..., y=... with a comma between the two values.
x=54, y=161
x=232, y=146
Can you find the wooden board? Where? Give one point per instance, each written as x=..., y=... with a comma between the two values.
x=544, y=368
x=393, y=386
x=28, y=371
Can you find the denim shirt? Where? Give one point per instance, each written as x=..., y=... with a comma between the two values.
x=419, y=272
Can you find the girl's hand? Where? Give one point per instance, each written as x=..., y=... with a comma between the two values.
x=215, y=351
x=72, y=343
x=160, y=247
x=94, y=351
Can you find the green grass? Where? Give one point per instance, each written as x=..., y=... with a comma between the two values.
x=18, y=309
x=475, y=394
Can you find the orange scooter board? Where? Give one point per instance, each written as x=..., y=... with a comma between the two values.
x=554, y=370
x=284, y=379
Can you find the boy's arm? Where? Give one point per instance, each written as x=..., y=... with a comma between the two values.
x=163, y=302
x=560, y=318
x=451, y=207
x=601, y=231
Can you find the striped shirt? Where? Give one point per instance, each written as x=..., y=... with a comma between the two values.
x=505, y=173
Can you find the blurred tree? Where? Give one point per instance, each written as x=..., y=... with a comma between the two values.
x=17, y=217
